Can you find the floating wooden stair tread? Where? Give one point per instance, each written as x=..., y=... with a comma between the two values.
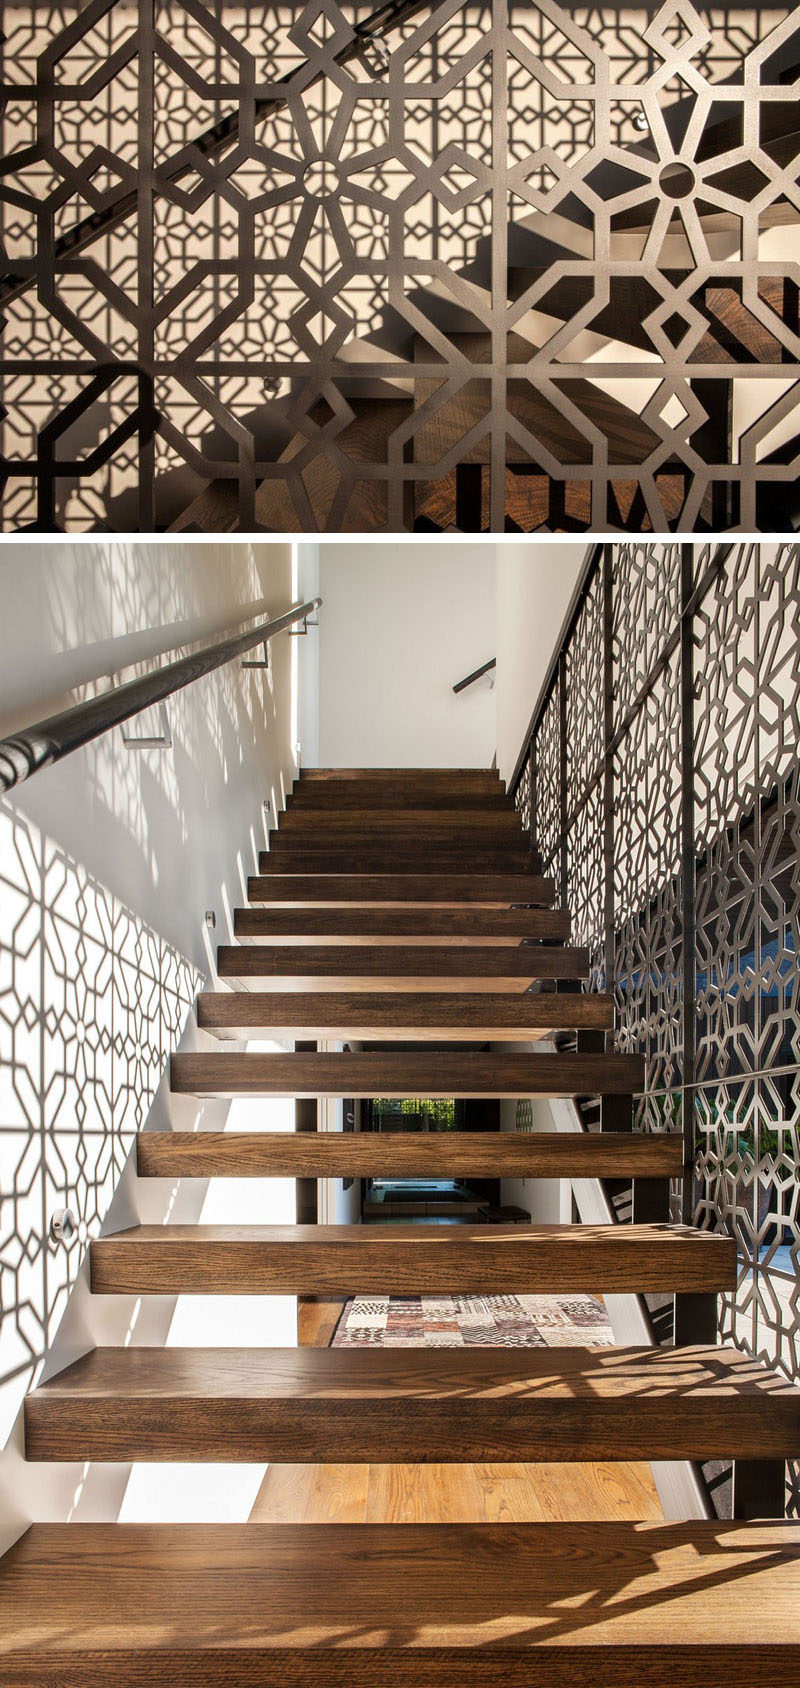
x=405, y=1074
x=429, y=925
x=409, y=1154
x=435, y=960
x=339, y=1404
x=461, y=968
x=440, y=435
x=396, y=1606
x=388, y=799
x=406, y=856
x=400, y=1014
x=500, y=890
x=411, y=1260
x=468, y=780
x=392, y=823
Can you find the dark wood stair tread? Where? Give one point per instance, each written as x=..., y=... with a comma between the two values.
x=409, y=1154
x=629, y=438
x=470, y=778
x=461, y=968
x=403, y=1014
x=390, y=823
x=319, y=485
x=333, y=491
x=385, y=799
x=396, y=1606
x=399, y=1259
x=492, y=889
x=409, y=857
x=406, y=1074
x=458, y=1404
x=429, y=925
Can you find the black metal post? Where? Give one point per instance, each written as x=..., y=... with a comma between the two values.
x=562, y=759
x=650, y=1201
x=688, y=878
x=608, y=767
x=696, y=1319
x=759, y=1488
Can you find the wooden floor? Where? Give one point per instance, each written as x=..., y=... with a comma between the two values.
x=446, y=1494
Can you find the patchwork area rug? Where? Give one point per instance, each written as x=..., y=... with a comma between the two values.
x=472, y=1321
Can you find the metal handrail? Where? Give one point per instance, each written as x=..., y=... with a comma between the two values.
x=39, y=746
x=590, y=560
x=477, y=674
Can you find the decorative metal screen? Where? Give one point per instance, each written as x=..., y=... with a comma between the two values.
x=449, y=266
x=664, y=765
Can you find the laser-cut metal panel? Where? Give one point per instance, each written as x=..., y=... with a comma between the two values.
x=732, y=614
x=344, y=284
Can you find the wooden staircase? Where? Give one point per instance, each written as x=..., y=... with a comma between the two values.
x=404, y=911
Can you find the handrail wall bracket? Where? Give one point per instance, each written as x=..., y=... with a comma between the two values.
x=25, y=752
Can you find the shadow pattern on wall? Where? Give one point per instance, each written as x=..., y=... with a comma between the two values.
x=92, y=1001
x=663, y=776
x=505, y=266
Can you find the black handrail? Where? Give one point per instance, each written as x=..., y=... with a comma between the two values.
x=39, y=746
x=590, y=561
x=476, y=674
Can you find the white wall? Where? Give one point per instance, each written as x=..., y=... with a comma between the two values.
x=169, y=833
x=308, y=662
x=547, y=1200
x=108, y=862
x=400, y=624
x=534, y=586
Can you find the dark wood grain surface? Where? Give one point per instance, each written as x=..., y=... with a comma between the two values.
x=492, y=889
x=429, y=925
x=382, y=1606
x=401, y=1074
x=404, y=1015
x=405, y=856
x=387, y=798
x=425, y=1404
x=465, y=779
x=386, y=824
x=408, y=1154
x=403, y=963
x=401, y=1259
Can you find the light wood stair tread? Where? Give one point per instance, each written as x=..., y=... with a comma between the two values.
x=427, y=925
x=411, y=1259
x=409, y=1154
x=403, y=1014
x=461, y=968
x=490, y=889
x=395, y=1605
x=467, y=1405
x=406, y=1074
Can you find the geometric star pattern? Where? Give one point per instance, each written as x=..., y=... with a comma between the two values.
x=92, y=1002
x=491, y=266
x=676, y=843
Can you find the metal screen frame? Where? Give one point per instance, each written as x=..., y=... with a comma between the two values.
x=661, y=783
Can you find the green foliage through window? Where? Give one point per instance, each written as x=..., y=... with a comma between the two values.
x=440, y=1113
